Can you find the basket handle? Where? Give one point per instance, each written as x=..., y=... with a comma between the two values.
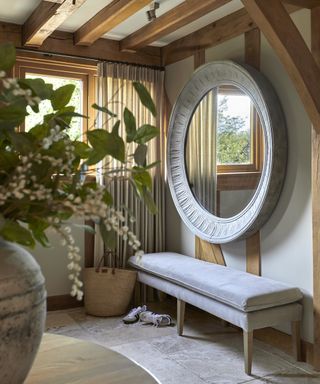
x=99, y=267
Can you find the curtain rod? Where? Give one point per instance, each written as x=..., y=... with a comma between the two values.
x=49, y=54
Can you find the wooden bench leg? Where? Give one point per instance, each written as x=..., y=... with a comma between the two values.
x=144, y=293
x=180, y=316
x=137, y=294
x=247, y=348
x=296, y=340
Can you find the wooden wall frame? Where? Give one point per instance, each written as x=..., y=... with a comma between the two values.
x=204, y=250
x=275, y=23
x=315, y=148
x=252, y=41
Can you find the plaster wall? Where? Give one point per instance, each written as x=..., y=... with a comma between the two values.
x=53, y=261
x=286, y=239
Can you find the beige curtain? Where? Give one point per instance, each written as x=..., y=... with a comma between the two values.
x=201, y=152
x=115, y=91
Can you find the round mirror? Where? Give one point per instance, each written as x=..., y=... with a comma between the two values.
x=227, y=150
x=224, y=151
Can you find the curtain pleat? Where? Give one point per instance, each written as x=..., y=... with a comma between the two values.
x=201, y=152
x=115, y=91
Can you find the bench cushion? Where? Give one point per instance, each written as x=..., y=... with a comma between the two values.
x=238, y=289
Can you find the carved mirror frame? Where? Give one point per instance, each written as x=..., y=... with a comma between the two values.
x=201, y=222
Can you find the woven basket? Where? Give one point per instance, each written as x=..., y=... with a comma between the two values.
x=108, y=291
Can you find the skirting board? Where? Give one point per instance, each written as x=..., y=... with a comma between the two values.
x=55, y=303
x=283, y=342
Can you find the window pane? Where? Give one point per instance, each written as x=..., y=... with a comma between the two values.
x=234, y=129
x=75, y=130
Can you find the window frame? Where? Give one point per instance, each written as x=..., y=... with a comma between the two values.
x=64, y=68
x=243, y=176
x=256, y=142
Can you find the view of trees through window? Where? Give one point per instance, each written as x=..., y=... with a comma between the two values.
x=233, y=129
x=75, y=131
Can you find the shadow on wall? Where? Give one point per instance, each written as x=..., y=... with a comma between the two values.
x=173, y=225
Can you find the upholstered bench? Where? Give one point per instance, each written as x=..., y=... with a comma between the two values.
x=245, y=300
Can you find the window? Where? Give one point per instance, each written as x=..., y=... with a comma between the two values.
x=60, y=72
x=76, y=128
x=239, y=135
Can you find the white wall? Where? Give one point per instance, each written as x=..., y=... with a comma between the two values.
x=286, y=237
x=53, y=261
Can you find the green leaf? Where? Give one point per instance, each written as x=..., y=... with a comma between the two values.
x=13, y=231
x=142, y=177
x=8, y=160
x=145, y=97
x=148, y=200
x=154, y=164
x=13, y=113
x=109, y=237
x=61, y=96
x=105, y=143
x=140, y=154
x=22, y=142
x=81, y=149
x=38, y=226
x=145, y=133
x=95, y=157
x=38, y=87
x=107, y=197
x=115, y=128
x=64, y=215
x=39, y=131
x=7, y=56
x=64, y=116
x=103, y=109
x=130, y=123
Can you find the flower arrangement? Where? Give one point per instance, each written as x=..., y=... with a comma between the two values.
x=43, y=172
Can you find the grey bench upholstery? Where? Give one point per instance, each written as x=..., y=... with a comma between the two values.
x=242, y=299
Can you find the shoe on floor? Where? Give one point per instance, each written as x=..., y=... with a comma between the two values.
x=133, y=315
x=158, y=320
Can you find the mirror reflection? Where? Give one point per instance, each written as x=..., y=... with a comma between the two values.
x=224, y=151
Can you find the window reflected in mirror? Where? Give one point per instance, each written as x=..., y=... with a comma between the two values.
x=224, y=151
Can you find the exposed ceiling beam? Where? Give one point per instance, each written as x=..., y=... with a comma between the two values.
x=304, y=3
x=46, y=18
x=275, y=23
x=108, y=18
x=177, y=17
x=103, y=49
x=215, y=33
x=228, y=27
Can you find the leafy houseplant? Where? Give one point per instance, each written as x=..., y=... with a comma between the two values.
x=42, y=171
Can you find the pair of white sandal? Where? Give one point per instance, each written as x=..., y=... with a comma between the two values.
x=147, y=317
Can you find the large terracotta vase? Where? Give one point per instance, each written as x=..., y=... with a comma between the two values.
x=22, y=312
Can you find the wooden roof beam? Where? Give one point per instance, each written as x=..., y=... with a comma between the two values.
x=275, y=23
x=304, y=3
x=109, y=17
x=103, y=49
x=177, y=17
x=213, y=34
x=46, y=18
x=228, y=27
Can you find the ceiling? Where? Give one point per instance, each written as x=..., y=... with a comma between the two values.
x=20, y=10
